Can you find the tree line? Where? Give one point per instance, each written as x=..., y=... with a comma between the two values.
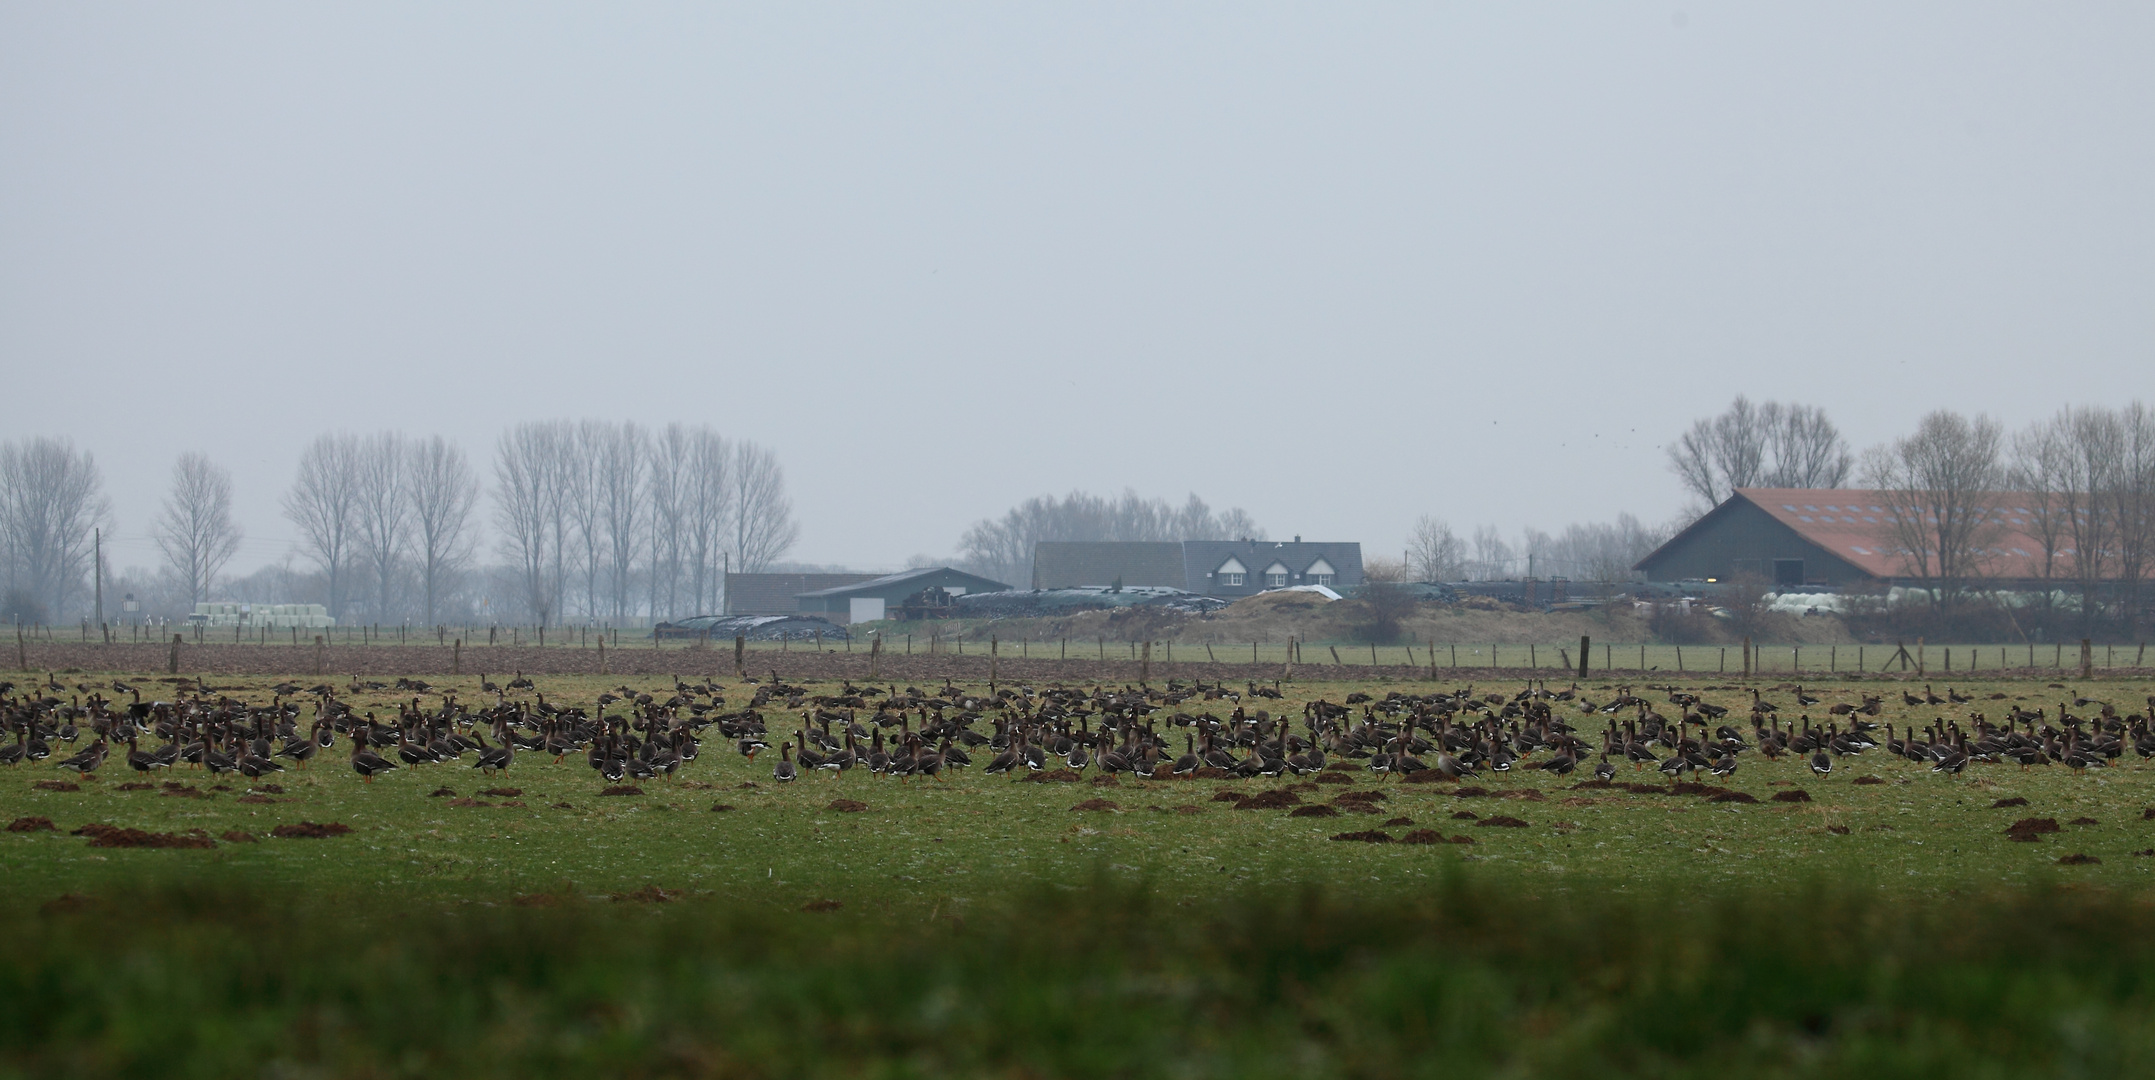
x=1002, y=548
x=591, y=519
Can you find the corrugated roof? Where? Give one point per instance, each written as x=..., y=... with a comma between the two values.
x=1856, y=524
x=772, y=594
x=1059, y=564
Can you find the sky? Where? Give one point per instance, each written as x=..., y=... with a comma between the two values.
x=1341, y=265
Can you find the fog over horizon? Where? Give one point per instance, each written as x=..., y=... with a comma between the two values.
x=1340, y=267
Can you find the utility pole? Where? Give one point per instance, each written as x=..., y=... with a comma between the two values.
x=97, y=541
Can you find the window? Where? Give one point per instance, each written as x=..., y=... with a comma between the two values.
x=1276, y=576
x=1230, y=579
x=1231, y=573
x=1320, y=573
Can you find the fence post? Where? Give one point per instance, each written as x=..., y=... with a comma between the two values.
x=875, y=655
x=1144, y=670
x=22, y=658
x=740, y=653
x=456, y=658
x=1586, y=643
x=319, y=644
x=1747, y=656
x=602, y=653
x=172, y=659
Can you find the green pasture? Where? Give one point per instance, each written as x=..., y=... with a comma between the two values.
x=977, y=925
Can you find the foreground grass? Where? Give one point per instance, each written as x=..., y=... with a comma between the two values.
x=975, y=926
x=203, y=979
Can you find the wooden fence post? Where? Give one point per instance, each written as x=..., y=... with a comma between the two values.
x=740, y=655
x=1144, y=671
x=1586, y=644
x=1747, y=656
x=875, y=655
x=172, y=659
x=456, y=658
x=602, y=653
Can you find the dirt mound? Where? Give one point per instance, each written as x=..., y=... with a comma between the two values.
x=442, y=793
x=1105, y=780
x=1390, y=822
x=1792, y=795
x=110, y=836
x=1315, y=810
x=847, y=806
x=649, y=894
x=720, y=808
x=268, y=789
x=1054, y=776
x=623, y=789
x=31, y=824
x=819, y=907
x=1465, y=815
x=1423, y=836
x=1357, y=807
x=1733, y=797
x=1096, y=804
x=1334, y=778
x=1362, y=796
x=2018, y=801
x=504, y=792
x=308, y=830
x=2083, y=821
x=1208, y=772
x=259, y=800
x=469, y=803
x=2030, y=828
x=136, y=785
x=1500, y=822
x=2077, y=859
x=1470, y=792
x=235, y=836
x=1425, y=776
x=1186, y=809
x=1866, y=781
x=56, y=785
x=1228, y=796
x=1270, y=800
x=1371, y=836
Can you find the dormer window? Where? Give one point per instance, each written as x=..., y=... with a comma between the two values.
x=1276, y=576
x=1320, y=573
x=1231, y=573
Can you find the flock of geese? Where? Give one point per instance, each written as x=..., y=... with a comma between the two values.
x=629, y=734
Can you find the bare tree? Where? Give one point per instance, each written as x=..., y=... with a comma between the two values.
x=196, y=532
x=763, y=525
x=1941, y=483
x=1492, y=556
x=384, y=512
x=668, y=488
x=443, y=494
x=2133, y=505
x=50, y=501
x=583, y=503
x=710, y=494
x=619, y=465
x=1434, y=552
x=2071, y=464
x=527, y=508
x=1770, y=445
x=324, y=503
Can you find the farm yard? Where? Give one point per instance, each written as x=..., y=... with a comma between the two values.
x=1145, y=860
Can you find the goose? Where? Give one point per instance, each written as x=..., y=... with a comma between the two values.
x=1821, y=763
x=494, y=760
x=86, y=763
x=1605, y=771
x=140, y=761
x=365, y=761
x=784, y=770
x=13, y=754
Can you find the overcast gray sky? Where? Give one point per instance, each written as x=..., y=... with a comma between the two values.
x=1338, y=264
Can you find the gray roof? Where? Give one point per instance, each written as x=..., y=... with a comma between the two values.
x=1060, y=564
x=973, y=582
x=1202, y=557
x=772, y=594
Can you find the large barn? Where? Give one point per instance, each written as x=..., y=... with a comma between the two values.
x=1842, y=537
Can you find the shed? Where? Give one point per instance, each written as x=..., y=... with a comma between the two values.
x=876, y=598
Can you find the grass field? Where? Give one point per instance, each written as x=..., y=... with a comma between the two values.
x=1888, y=925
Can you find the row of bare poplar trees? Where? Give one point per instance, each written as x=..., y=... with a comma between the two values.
x=595, y=518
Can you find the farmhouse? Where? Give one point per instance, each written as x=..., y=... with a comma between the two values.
x=878, y=598
x=1841, y=537
x=1226, y=568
